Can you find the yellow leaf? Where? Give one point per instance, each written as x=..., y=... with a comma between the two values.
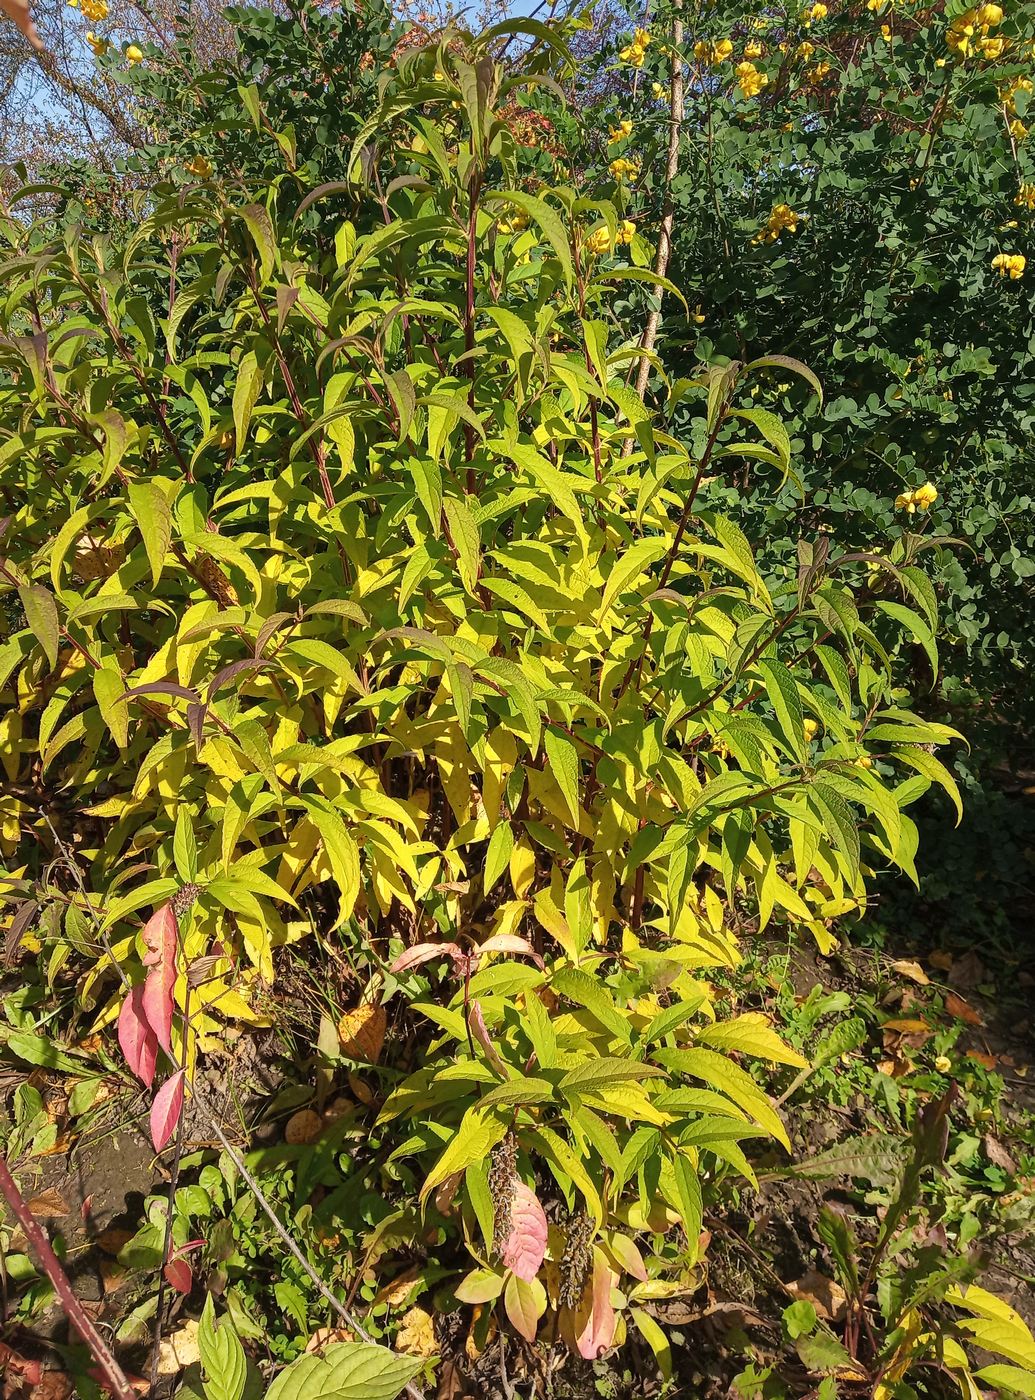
x=416, y=1336
x=362, y=1033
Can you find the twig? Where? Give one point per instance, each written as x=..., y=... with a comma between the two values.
x=661, y=260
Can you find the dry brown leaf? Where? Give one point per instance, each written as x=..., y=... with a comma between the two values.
x=998, y=1155
x=907, y=1025
x=912, y=970
x=18, y=10
x=416, y=1336
x=957, y=1007
x=324, y=1336
x=179, y=1349
x=47, y=1204
x=303, y=1127
x=988, y=1061
x=451, y=1383
x=361, y=1091
x=362, y=1033
x=113, y=1239
x=941, y=960
x=825, y=1294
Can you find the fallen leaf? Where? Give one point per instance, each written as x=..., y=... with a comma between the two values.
x=179, y=1349
x=912, y=970
x=361, y=1033
x=113, y=1239
x=451, y=1383
x=303, y=1127
x=416, y=1335
x=47, y=1204
x=397, y=1292
x=361, y=1091
x=325, y=1336
x=968, y=971
x=957, y=1007
x=905, y=1024
x=941, y=960
x=825, y=1294
x=998, y=1155
x=988, y=1061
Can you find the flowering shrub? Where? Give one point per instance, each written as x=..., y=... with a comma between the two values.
x=891, y=141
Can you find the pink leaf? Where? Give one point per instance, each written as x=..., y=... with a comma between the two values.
x=159, y=934
x=179, y=1275
x=138, y=1041
x=166, y=1109
x=509, y=943
x=597, y=1331
x=481, y=1033
x=422, y=953
x=525, y=1245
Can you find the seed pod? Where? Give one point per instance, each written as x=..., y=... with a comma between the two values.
x=502, y=1181
x=576, y=1260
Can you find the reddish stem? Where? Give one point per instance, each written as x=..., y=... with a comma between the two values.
x=40, y=1245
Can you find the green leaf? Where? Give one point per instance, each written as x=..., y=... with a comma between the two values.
x=628, y=569
x=346, y=1371
x=786, y=702
x=497, y=857
x=246, y=392
x=548, y=219
x=563, y=761
x=258, y=223
x=466, y=540
x=721, y=1073
x=41, y=614
x=222, y=1356
x=108, y=688
x=475, y=1138
x=150, y=509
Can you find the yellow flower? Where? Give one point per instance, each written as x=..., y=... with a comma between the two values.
x=817, y=72
x=626, y=229
x=623, y=169
x=1010, y=265
x=199, y=166
x=753, y=49
x=865, y=762
x=988, y=16
x=134, y=54
x=1025, y=196
x=926, y=495
x=1018, y=130
x=642, y=36
x=805, y=51
x=782, y=217
x=99, y=46
x=992, y=48
x=749, y=80
x=94, y=10
x=598, y=242
x=943, y=1064
x=818, y=12
x=907, y=502
x=633, y=54
x=876, y=5
x=515, y=222
x=621, y=131
x=811, y=730
x=706, y=52
x=885, y=33
x=660, y=91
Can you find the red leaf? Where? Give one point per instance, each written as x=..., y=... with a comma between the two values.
x=525, y=1245
x=166, y=1109
x=159, y=934
x=481, y=1033
x=597, y=1331
x=138, y=1041
x=422, y=953
x=179, y=1275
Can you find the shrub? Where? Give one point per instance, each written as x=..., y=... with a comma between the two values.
x=354, y=593
x=906, y=165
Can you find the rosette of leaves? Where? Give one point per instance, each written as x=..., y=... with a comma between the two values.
x=360, y=593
